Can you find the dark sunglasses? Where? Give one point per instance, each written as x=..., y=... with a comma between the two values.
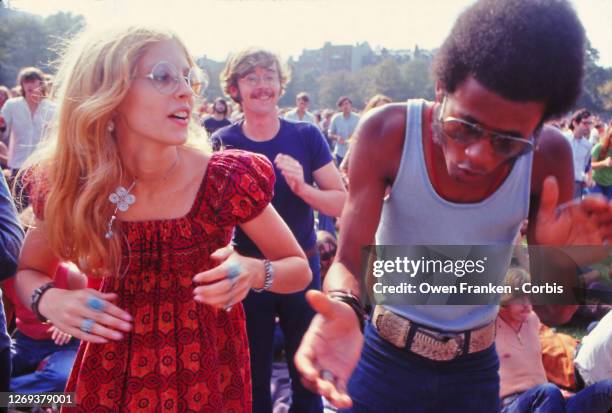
x=466, y=133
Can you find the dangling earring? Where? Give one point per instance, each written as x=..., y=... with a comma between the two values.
x=110, y=126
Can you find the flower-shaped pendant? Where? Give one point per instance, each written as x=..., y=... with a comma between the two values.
x=122, y=198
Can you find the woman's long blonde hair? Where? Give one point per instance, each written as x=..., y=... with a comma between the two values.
x=79, y=163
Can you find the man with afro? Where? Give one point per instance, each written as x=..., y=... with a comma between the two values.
x=466, y=169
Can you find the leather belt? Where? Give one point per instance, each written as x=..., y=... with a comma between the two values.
x=427, y=342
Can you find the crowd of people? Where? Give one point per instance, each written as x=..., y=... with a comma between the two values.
x=160, y=253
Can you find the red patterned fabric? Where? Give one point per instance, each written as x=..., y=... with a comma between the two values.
x=181, y=356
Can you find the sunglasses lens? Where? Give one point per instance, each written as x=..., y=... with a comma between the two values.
x=197, y=80
x=509, y=147
x=461, y=132
x=164, y=77
x=466, y=134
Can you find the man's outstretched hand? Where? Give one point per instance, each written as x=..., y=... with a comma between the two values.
x=330, y=349
x=579, y=222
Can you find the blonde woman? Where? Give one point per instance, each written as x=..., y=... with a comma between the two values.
x=121, y=193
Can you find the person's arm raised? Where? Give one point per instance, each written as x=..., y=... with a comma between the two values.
x=558, y=221
x=327, y=197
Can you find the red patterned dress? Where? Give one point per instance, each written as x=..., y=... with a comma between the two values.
x=181, y=356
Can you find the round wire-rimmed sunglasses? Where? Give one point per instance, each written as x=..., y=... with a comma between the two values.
x=166, y=78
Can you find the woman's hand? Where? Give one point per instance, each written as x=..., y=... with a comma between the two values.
x=229, y=282
x=86, y=314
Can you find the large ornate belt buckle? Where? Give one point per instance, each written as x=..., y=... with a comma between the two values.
x=483, y=338
x=392, y=328
x=436, y=345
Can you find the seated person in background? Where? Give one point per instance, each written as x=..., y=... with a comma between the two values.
x=594, y=359
x=524, y=387
x=35, y=341
x=326, y=244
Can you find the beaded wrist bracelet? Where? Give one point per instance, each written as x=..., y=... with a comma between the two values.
x=351, y=299
x=36, y=296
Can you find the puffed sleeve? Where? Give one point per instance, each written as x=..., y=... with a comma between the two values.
x=244, y=185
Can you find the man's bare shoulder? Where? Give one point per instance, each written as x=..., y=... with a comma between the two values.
x=379, y=138
x=551, y=143
x=384, y=121
x=552, y=156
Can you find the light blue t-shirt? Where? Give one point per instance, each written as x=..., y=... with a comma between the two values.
x=344, y=127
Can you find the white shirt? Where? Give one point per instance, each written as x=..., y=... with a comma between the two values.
x=581, y=152
x=25, y=130
x=594, y=359
x=293, y=116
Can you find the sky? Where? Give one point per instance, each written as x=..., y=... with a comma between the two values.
x=216, y=28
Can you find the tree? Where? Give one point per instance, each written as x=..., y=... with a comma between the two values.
x=387, y=79
x=595, y=79
x=26, y=40
x=605, y=92
x=334, y=85
x=417, y=79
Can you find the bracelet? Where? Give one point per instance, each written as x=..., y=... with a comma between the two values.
x=36, y=296
x=269, y=277
x=351, y=299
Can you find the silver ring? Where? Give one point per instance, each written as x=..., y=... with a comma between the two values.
x=233, y=271
x=95, y=303
x=327, y=375
x=87, y=325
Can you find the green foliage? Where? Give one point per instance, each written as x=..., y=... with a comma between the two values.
x=26, y=40
x=605, y=92
x=399, y=81
x=595, y=94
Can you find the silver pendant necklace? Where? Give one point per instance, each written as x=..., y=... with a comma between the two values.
x=123, y=199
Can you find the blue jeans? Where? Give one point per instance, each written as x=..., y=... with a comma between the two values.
x=545, y=398
x=294, y=315
x=579, y=187
x=596, y=398
x=600, y=189
x=27, y=353
x=388, y=379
